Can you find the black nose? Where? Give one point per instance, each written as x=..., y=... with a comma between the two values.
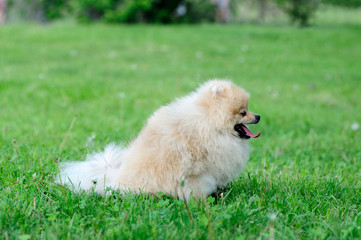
x=257, y=117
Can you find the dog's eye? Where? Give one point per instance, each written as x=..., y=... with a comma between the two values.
x=243, y=113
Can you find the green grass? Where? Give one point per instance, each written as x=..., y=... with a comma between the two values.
x=303, y=177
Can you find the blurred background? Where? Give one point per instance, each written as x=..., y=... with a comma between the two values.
x=76, y=75
x=301, y=12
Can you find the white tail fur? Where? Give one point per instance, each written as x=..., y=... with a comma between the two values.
x=98, y=171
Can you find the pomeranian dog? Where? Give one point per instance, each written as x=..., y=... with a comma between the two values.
x=188, y=148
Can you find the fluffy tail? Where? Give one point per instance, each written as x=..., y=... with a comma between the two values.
x=97, y=172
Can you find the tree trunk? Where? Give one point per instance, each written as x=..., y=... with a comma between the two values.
x=2, y=11
x=262, y=9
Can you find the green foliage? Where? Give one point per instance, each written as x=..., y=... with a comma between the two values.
x=344, y=3
x=129, y=11
x=199, y=11
x=40, y=10
x=303, y=177
x=153, y=11
x=54, y=9
x=90, y=10
x=299, y=11
x=156, y=11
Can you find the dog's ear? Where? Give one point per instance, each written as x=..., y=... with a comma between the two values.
x=216, y=91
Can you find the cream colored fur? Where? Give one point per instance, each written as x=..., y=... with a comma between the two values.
x=187, y=148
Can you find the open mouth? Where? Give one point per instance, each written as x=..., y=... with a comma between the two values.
x=244, y=132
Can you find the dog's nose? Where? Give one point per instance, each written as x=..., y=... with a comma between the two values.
x=257, y=117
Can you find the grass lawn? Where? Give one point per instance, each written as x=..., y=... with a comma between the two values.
x=303, y=177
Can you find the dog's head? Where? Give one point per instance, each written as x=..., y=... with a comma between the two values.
x=227, y=106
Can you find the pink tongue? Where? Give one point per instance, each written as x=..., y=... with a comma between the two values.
x=249, y=133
